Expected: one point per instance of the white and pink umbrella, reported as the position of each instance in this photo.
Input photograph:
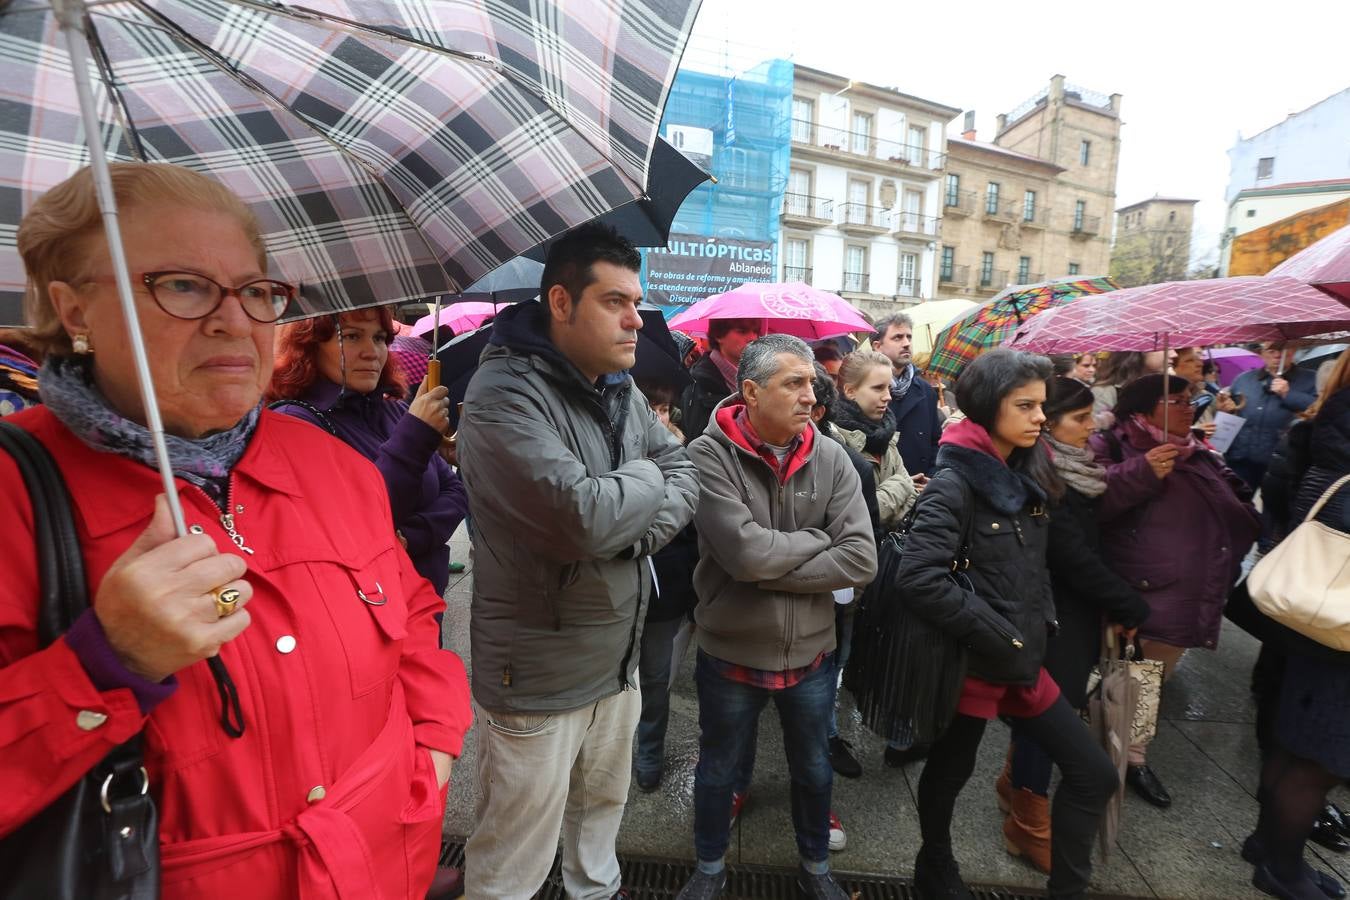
(1325, 265)
(794, 308)
(458, 317)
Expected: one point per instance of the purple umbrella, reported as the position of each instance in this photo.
(1232, 362)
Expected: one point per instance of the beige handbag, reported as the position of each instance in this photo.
(1304, 582)
(1147, 675)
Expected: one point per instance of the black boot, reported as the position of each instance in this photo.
(938, 877)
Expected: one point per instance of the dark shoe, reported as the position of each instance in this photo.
(1147, 785)
(448, 884)
(938, 877)
(1333, 813)
(1326, 834)
(647, 782)
(701, 886)
(842, 759)
(1265, 881)
(897, 758)
(1254, 851)
(819, 887)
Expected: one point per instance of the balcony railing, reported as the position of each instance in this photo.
(856, 282)
(1003, 212)
(863, 216)
(797, 273)
(1087, 226)
(962, 204)
(1030, 277)
(806, 206)
(907, 287)
(993, 279)
(861, 143)
(913, 223)
(957, 275)
(1038, 217)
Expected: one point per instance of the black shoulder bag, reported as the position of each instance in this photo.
(906, 674)
(100, 839)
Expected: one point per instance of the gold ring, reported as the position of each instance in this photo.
(227, 601)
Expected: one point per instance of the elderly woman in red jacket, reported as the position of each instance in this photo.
(326, 775)
(1175, 523)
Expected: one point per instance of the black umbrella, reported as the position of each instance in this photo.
(656, 358)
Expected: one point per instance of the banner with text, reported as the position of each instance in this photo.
(691, 267)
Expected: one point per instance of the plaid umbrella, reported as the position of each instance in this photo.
(392, 149)
(990, 325)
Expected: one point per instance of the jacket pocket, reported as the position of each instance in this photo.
(365, 601)
(185, 728)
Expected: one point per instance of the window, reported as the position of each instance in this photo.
(1029, 206)
(911, 216)
(1172, 216)
(855, 268)
(1169, 242)
(1084, 152)
(803, 116)
(1073, 268)
(862, 133)
(953, 197)
(948, 265)
(908, 285)
(797, 201)
(795, 256)
(1023, 269)
(735, 167)
(1079, 214)
(986, 269)
(1265, 167)
(1251, 214)
(918, 136)
(991, 197)
(857, 210)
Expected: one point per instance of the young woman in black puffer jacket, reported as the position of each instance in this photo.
(992, 472)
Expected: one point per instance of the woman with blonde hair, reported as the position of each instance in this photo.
(863, 422)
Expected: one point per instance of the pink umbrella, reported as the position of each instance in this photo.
(1185, 314)
(459, 317)
(793, 308)
(1326, 265)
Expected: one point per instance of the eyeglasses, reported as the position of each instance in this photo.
(1178, 402)
(187, 295)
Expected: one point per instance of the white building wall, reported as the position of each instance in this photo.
(1313, 145)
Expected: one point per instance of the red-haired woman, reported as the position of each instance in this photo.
(343, 381)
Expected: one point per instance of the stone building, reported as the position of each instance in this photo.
(1032, 205)
(861, 213)
(1153, 241)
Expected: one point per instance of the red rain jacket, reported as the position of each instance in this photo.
(330, 792)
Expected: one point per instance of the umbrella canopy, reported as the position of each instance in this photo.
(459, 317)
(793, 308)
(929, 318)
(392, 149)
(1325, 264)
(994, 322)
(1186, 314)
(1232, 362)
(657, 357)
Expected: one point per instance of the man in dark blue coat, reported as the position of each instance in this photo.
(1268, 399)
(913, 400)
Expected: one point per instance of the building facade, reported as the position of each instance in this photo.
(862, 210)
(1153, 241)
(1254, 209)
(1034, 204)
(1307, 146)
(1262, 249)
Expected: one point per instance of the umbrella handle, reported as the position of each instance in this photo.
(432, 380)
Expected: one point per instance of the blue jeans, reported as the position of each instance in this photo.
(728, 713)
(654, 675)
(843, 636)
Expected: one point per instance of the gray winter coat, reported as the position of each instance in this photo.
(571, 486)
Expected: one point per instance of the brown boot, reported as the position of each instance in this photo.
(1003, 788)
(1026, 832)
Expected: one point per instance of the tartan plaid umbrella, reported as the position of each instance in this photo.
(991, 324)
(392, 149)
(1187, 314)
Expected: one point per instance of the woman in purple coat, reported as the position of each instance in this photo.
(1176, 524)
(343, 382)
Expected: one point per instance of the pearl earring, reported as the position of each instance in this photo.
(80, 344)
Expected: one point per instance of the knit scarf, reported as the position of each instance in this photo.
(727, 368)
(1142, 432)
(877, 435)
(67, 388)
(900, 384)
(1079, 468)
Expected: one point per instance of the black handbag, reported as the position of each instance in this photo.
(100, 839)
(905, 673)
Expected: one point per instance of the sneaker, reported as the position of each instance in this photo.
(838, 839)
(842, 759)
(738, 801)
(898, 758)
(702, 886)
(456, 568)
(819, 887)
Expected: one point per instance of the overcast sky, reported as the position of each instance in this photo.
(1194, 73)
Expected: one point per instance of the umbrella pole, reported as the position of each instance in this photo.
(1167, 382)
(70, 14)
(434, 363)
(1284, 359)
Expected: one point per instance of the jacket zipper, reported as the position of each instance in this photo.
(227, 517)
(788, 618)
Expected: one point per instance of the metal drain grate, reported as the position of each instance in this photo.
(661, 879)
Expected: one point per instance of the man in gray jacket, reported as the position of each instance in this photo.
(573, 484)
(782, 524)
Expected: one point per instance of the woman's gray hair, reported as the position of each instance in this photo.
(759, 359)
